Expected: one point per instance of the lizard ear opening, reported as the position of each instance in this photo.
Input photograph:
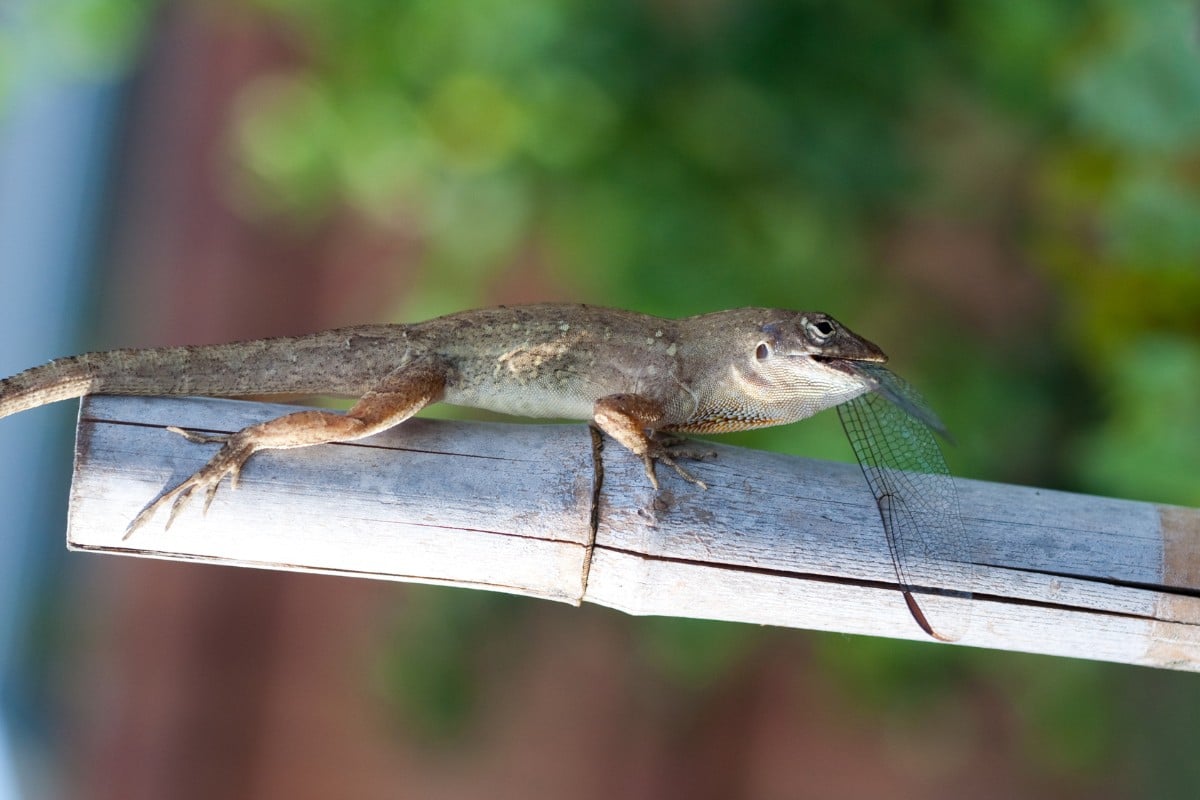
(763, 351)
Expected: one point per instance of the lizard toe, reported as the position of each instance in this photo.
(183, 493)
(648, 463)
(200, 438)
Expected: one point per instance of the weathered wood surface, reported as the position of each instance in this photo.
(776, 539)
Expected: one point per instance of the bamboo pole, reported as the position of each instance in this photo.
(775, 540)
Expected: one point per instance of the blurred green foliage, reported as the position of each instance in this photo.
(1120, 194)
(74, 39)
(657, 156)
(445, 643)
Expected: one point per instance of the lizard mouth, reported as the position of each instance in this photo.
(850, 366)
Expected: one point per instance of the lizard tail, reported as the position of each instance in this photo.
(346, 362)
(155, 370)
(61, 379)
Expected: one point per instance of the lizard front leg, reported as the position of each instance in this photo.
(402, 394)
(627, 418)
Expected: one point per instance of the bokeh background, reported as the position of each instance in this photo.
(1004, 193)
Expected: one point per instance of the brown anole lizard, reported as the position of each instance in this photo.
(637, 377)
(632, 374)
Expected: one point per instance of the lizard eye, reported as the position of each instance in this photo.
(819, 330)
(763, 351)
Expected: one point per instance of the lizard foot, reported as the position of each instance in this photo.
(229, 460)
(666, 449)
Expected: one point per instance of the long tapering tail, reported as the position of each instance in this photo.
(347, 361)
(61, 379)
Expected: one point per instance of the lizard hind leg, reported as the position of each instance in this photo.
(401, 395)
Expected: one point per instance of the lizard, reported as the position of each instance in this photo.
(641, 379)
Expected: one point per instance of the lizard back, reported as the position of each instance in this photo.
(551, 360)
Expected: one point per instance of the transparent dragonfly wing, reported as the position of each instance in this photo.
(892, 432)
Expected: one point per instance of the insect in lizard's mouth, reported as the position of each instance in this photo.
(892, 387)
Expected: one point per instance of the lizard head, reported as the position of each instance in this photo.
(781, 366)
(814, 335)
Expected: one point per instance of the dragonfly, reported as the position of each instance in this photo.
(891, 430)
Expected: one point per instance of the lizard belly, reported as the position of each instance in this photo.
(559, 373)
(525, 401)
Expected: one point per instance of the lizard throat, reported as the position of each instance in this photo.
(724, 423)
